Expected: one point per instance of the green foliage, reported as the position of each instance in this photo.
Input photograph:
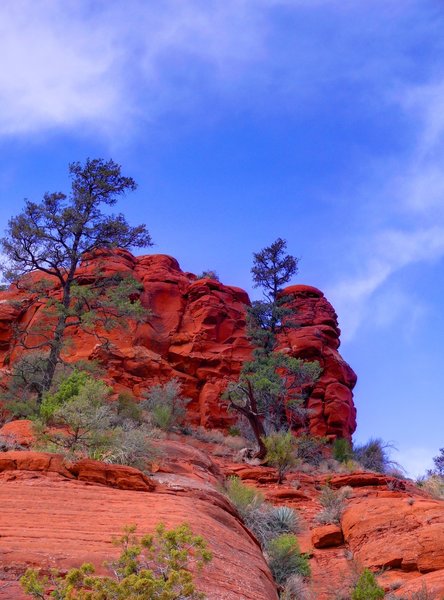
(281, 451)
(244, 498)
(285, 558)
(68, 389)
(367, 587)
(128, 409)
(439, 464)
(156, 566)
(283, 519)
(374, 455)
(166, 405)
(342, 450)
(84, 423)
(52, 237)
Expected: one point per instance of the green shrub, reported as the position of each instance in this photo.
(367, 587)
(342, 450)
(244, 498)
(152, 567)
(128, 409)
(68, 389)
(283, 519)
(285, 559)
(166, 405)
(281, 447)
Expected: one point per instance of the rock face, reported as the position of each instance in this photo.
(195, 332)
(56, 516)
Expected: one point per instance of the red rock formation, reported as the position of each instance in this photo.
(55, 517)
(196, 332)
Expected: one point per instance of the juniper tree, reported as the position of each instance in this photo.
(270, 387)
(52, 237)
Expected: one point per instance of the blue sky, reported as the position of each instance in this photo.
(319, 121)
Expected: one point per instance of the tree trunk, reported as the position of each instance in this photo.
(56, 344)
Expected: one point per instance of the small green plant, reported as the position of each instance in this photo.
(285, 558)
(68, 389)
(283, 519)
(166, 405)
(367, 587)
(281, 449)
(342, 450)
(245, 498)
(156, 566)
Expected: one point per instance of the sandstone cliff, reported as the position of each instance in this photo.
(196, 332)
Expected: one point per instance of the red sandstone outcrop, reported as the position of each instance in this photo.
(59, 516)
(195, 332)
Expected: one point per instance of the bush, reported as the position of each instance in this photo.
(439, 464)
(283, 519)
(281, 447)
(154, 566)
(208, 274)
(68, 389)
(333, 503)
(342, 450)
(432, 485)
(285, 559)
(245, 498)
(374, 456)
(166, 405)
(367, 587)
(128, 409)
(295, 589)
(130, 445)
(310, 449)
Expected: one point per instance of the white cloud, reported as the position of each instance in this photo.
(383, 255)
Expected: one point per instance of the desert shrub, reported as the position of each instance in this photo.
(367, 587)
(374, 455)
(128, 409)
(166, 405)
(438, 461)
(423, 594)
(310, 449)
(284, 519)
(8, 442)
(432, 485)
(281, 447)
(285, 558)
(69, 389)
(208, 274)
(244, 497)
(154, 566)
(129, 445)
(295, 589)
(25, 383)
(82, 425)
(342, 450)
(333, 503)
